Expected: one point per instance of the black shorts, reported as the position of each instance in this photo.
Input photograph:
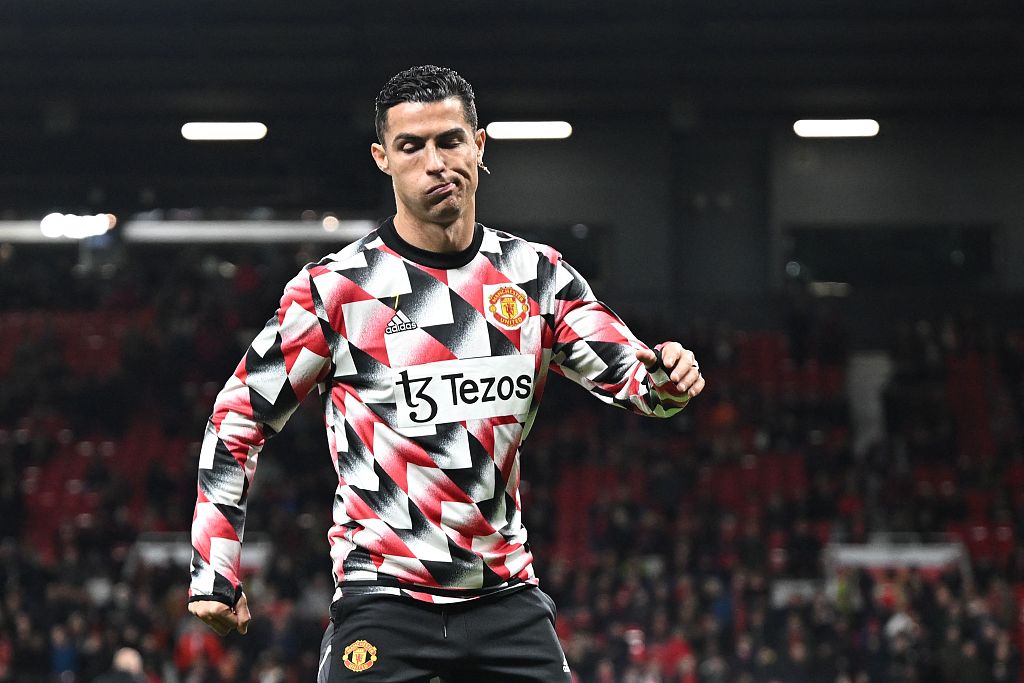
(505, 637)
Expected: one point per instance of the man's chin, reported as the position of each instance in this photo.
(446, 210)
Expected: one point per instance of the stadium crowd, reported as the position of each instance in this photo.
(664, 544)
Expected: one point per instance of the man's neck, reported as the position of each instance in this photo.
(437, 237)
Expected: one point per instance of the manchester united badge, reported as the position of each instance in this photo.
(507, 305)
(359, 656)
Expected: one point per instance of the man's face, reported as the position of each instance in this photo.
(431, 153)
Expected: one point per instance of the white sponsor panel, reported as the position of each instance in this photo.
(459, 390)
(413, 432)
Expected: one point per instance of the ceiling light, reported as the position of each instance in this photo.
(224, 130)
(836, 128)
(529, 130)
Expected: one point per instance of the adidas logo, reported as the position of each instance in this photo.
(400, 323)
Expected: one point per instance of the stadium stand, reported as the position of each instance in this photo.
(664, 544)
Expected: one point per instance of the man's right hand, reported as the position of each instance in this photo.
(221, 618)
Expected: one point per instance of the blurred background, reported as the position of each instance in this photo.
(843, 504)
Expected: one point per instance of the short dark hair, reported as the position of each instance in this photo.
(426, 83)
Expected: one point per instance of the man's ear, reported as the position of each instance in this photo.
(380, 157)
(479, 139)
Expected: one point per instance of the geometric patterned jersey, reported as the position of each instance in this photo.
(430, 369)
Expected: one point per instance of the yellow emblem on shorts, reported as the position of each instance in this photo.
(359, 656)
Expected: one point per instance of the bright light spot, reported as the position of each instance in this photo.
(223, 130)
(76, 227)
(836, 128)
(52, 225)
(793, 269)
(529, 130)
(227, 270)
(330, 223)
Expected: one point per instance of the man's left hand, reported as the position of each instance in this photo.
(682, 368)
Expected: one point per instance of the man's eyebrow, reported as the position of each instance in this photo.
(402, 137)
(461, 132)
(410, 137)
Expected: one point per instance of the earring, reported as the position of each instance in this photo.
(481, 165)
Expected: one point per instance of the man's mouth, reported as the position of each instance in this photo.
(440, 189)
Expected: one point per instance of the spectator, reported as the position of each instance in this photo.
(127, 668)
(73, 590)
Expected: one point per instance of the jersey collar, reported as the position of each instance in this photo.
(431, 259)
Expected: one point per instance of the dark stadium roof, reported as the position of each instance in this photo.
(93, 94)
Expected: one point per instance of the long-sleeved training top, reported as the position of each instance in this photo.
(430, 369)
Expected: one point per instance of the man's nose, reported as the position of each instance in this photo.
(434, 159)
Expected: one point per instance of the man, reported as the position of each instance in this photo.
(430, 341)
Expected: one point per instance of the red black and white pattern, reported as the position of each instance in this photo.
(430, 369)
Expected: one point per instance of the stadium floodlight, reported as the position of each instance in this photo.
(224, 130)
(57, 225)
(529, 130)
(836, 128)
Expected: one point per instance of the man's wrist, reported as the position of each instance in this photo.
(211, 598)
(217, 597)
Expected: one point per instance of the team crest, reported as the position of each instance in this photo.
(359, 656)
(507, 305)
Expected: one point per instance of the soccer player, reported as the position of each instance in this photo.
(429, 341)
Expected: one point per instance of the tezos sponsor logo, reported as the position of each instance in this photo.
(458, 390)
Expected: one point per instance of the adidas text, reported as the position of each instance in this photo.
(400, 327)
(400, 323)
